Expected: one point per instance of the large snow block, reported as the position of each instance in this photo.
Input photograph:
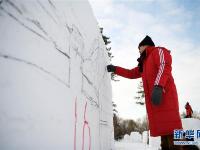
(55, 92)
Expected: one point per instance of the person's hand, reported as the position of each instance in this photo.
(156, 96)
(111, 68)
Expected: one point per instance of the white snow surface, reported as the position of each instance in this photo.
(134, 137)
(133, 146)
(55, 92)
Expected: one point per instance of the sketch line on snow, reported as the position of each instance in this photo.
(37, 24)
(60, 51)
(87, 79)
(45, 10)
(46, 37)
(95, 47)
(103, 122)
(52, 5)
(33, 65)
(77, 38)
(72, 30)
(91, 99)
(21, 23)
(86, 124)
(14, 6)
(54, 9)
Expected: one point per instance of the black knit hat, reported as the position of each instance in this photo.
(146, 41)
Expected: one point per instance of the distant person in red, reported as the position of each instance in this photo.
(189, 110)
(154, 67)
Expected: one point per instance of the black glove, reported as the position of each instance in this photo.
(111, 68)
(156, 96)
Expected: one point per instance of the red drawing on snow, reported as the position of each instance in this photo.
(75, 114)
(84, 126)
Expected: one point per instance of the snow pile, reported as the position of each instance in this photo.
(55, 90)
(154, 141)
(135, 137)
(126, 138)
(131, 146)
(144, 137)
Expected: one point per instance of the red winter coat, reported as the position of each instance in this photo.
(164, 118)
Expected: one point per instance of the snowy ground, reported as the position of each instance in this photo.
(130, 144)
(133, 146)
(133, 142)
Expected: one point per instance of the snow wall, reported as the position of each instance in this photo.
(55, 92)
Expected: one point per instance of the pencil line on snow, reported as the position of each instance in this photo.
(45, 10)
(21, 23)
(33, 65)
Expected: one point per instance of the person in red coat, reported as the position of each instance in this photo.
(154, 67)
(189, 110)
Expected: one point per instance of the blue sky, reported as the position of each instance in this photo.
(174, 24)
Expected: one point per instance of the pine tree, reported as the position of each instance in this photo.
(118, 132)
(140, 94)
(107, 41)
(132, 126)
(114, 108)
(141, 101)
